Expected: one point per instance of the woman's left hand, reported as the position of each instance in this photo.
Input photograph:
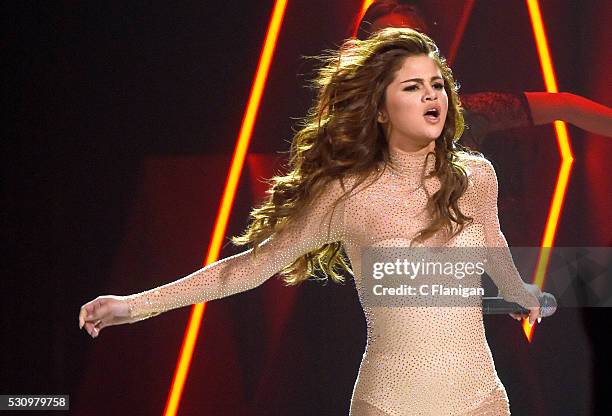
(534, 312)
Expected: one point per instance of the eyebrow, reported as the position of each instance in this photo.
(420, 80)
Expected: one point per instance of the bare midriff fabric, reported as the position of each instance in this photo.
(418, 360)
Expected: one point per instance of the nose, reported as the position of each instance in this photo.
(430, 94)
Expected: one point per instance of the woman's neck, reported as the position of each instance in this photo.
(412, 163)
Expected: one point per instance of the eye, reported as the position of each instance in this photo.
(439, 86)
(411, 88)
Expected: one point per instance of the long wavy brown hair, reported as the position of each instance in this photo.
(340, 136)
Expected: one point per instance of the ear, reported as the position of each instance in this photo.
(382, 116)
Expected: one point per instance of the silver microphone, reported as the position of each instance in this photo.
(497, 305)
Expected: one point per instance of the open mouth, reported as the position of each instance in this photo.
(433, 114)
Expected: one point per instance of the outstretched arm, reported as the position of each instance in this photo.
(581, 112)
(500, 265)
(486, 112)
(319, 223)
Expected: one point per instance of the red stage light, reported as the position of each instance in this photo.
(227, 200)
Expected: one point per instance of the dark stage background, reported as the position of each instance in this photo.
(122, 117)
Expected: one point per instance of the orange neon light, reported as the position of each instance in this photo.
(364, 7)
(463, 21)
(565, 149)
(244, 137)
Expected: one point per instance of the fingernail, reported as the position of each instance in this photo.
(539, 319)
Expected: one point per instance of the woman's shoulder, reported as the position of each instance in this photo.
(476, 164)
(480, 172)
(340, 185)
(332, 189)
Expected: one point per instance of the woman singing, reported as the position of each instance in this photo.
(374, 164)
(490, 111)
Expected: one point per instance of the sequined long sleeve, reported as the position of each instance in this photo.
(320, 223)
(500, 265)
(493, 111)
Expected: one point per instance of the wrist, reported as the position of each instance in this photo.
(139, 307)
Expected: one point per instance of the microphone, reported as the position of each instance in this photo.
(497, 305)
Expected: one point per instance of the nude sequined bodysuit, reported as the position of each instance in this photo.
(418, 360)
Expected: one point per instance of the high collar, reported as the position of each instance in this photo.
(412, 163)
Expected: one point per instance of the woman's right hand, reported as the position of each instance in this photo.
(104, 311)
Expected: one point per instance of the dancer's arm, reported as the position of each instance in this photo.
(500, 265)
(493, 111)
(244, 271)
(318, 224)
(581, 112)
(486, 112)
